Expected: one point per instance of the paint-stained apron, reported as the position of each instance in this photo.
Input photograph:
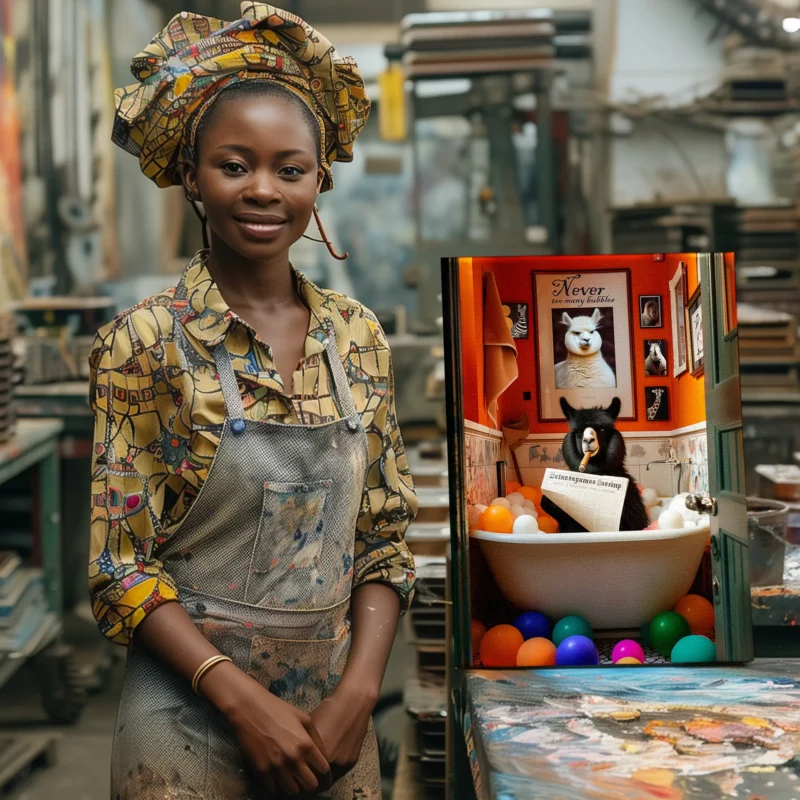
(264, 565)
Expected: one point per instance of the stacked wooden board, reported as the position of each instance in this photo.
(7, 325)
(677, 227)
(768, 349)
(468, 43)
(23, 604)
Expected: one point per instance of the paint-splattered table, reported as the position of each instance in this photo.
(636, 733)
(776, 612)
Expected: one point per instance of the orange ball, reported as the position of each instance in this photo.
(512, 486)
(537, 652)
(496, 519)
(478, 632)
(500, 645)
(547, 524)
(628, 660)
(699, 613)
(531, 493)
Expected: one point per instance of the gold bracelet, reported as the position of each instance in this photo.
(205, 667)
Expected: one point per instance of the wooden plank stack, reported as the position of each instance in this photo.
(468, 43)
(7, 328)
(768, 349)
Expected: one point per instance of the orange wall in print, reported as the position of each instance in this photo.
(515, 284)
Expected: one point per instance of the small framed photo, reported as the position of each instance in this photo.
(650, 311)
(655, 357)
(656, 403)
(694, 325)
(517, 319)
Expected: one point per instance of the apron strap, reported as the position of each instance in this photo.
(233, 399)
(227, 380)
(341, 385)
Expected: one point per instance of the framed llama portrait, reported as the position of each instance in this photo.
(584, 340)
(677, 302)
(694, 322)
(517, 319)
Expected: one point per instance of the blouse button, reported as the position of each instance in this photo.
(352, 425)
(238, 426)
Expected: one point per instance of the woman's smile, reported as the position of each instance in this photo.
(261, 227)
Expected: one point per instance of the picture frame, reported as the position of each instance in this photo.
(677, 300)
(656, 403)
(651, 313)
(600, 302)
(656, 354)
(517, 319)
(694, 327)
(731, 318)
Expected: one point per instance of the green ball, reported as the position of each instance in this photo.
(571, 626)
(644, 635)
(666, 630)
(694, 650)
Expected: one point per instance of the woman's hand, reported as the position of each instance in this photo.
(280, 741)
(342, 721)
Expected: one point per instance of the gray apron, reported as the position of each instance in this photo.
(264, 565)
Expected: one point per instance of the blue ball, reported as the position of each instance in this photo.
(533, 625)
(577, 651)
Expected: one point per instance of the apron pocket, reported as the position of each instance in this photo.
(286, 563)
(300, 672)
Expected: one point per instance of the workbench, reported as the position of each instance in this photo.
(68, 402)
(635, 733)
(34, 450)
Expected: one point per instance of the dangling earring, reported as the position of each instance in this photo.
(324, 240)
(193, 203)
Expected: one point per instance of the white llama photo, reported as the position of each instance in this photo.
(583, 345)
(582, 324)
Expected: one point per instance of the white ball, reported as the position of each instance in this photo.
(679, 501)
(650, 497)
(704, 521)
(656, 512)
(473, 515)
(481, 508)
(689, 523)
(518, 510)
(526, 524)
(515, 498)
(670, 519)
(501, 501)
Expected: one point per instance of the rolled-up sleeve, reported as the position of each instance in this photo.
(126, 581)
(389, 503)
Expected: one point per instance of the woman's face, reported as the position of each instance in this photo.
(256, 175)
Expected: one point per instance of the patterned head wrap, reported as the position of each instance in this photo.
(184, 68)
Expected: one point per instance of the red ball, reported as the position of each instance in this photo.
(500, 645)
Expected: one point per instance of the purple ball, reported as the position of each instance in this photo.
(577, 651)
(533, 625)
(627, 648)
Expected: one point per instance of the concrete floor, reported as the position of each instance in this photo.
(81, 771)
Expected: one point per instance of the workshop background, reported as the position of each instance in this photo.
(579, 126)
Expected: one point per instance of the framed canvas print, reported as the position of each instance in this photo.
(694, 324)
(584, 341)
(539, 534)
(677, 300)
(650, 311)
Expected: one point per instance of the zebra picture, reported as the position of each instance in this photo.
(518, 320)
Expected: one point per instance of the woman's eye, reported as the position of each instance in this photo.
(291, 172)
(233, 168)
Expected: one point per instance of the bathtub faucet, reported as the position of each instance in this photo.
(673, 461)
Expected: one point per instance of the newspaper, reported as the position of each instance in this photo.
(595, 501)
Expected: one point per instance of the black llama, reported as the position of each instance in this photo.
(592, 430)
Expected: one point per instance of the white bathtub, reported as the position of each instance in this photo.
(614, 580)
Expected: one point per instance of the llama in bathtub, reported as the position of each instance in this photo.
(584, 366)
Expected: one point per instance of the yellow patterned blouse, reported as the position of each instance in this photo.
(158, 418)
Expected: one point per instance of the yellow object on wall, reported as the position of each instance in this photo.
(392, 114)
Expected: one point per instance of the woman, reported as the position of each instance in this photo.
(249, 473)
